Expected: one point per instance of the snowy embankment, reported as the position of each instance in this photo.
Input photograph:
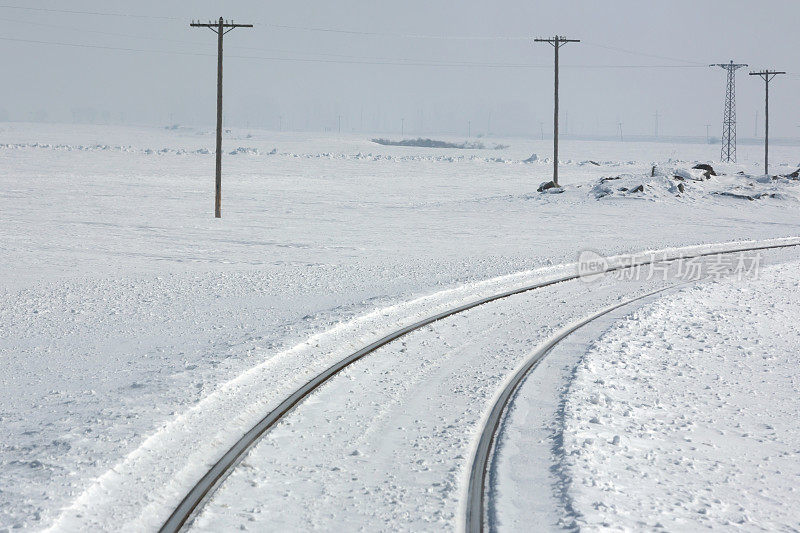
(684, 415)
(680, 184)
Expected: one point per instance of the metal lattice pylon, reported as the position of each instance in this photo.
(729, 119)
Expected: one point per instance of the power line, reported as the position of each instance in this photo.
(97, 13)
(102, 47)
(470, 38)
(644, 54)
(325, 54)
(279, 26)
(98, 32)
(343, 31)
(349, 32)
(150, 38)
(397, 35)
(366, 61)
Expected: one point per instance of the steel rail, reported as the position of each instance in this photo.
(210, 482)
(476, 489)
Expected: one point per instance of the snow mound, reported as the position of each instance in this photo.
(690, 175)
(696, 184)
(245, 151)
(630, 185)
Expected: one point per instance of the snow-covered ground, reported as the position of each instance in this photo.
(125, 304)
(386, 444)
(684, 415)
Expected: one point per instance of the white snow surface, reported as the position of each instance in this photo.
(136, 331)
(683, 417)
(386, 444)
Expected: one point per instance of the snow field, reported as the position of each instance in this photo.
(683, 416)
(123, 304)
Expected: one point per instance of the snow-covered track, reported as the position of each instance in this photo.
(211, 481)
(481, 461)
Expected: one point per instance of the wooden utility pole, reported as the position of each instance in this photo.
(767, 76)
(220, 27)
(556, 42)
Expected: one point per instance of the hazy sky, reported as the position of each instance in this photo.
(402, 59)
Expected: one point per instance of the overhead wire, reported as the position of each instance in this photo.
(398, 35)
(338, 58)
(356, 60)
(77, 12)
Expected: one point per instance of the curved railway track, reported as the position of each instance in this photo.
(210, 482)
(481, 461)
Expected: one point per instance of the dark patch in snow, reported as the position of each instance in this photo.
(709, 170)
(750, 197)
(547, 186)
(431, 143)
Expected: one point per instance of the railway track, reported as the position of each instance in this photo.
(481, 461)
(210, 482)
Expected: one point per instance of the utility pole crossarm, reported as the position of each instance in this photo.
(767, 74)
(216, 25)
(560, 41)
